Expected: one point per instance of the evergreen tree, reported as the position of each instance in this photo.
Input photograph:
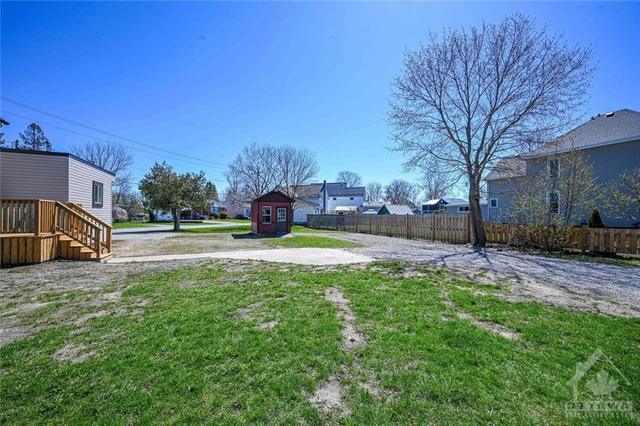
(595, 221)
(34, 138)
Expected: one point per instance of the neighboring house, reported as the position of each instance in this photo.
(395, 209)
(610, 143)
(59, 176)
(235, 207)
(453, 206)
(330, 195)
(302, 208)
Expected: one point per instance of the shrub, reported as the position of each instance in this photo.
(216, 216)
(223, 215)
(595, 221)
(241, 216)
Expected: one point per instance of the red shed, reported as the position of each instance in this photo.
(272, 213)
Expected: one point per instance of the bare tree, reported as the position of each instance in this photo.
(400, 192)
(111, 156)
(350, 178)
(296, 166)
(473, 95)
(373, 191)
(258, 169)
(436, 182)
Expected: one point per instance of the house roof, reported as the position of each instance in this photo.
(398, 209)
(311, 190)
(603, 129)
(301, 204)
(55, 153)
(340, 189)
(274, 196)
(508, 167)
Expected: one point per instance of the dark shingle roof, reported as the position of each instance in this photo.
(617, 126)
(311, 190)
(340, 189)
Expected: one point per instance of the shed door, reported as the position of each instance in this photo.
(281, 219)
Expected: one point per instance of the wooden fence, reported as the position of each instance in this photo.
(456, 229)
(435, 227)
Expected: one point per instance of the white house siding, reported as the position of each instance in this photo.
(34, 176)
(81, 177)
(332, 203)
(300, 214)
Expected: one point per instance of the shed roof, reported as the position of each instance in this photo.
(274, 196)
(399, 209)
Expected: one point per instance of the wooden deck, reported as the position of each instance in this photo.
(34, 231)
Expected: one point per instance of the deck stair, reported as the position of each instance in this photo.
(33, 231)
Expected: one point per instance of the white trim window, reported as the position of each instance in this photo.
(463, 209)
(97, 195)
(493, 203)
(282, 214)
(266, 215)
(553, 202)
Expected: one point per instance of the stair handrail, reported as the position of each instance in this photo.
(107, 228)
(93, 242)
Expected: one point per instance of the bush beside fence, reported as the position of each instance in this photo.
(456, 229)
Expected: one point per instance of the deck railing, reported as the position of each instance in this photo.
(48, 217)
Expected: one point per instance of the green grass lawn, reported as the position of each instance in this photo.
(299, 241)
(199, 353)
(218, 229)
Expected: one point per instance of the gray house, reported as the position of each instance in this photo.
(59, 176)
(609, 142)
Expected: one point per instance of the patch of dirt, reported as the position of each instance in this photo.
(74, 353)
(328, 398)
(268, 325)
(492, 327)
(351, 339)
(246, 313)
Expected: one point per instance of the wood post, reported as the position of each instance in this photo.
(37, 223)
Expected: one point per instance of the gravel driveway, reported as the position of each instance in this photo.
(600, 287)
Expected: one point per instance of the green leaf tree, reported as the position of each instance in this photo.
(33, 138)
(164, 189)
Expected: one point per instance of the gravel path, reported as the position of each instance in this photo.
(609, 288)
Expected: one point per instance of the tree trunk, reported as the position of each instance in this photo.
(475, 215)
(176, 219)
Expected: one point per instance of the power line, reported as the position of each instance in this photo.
(105, 132)
(106, 140)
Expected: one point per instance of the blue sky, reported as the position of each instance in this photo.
(207, 78)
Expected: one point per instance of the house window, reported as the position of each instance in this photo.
(463, 209)
(266, 215)
(282, 214)
(493, 203)
(97, 195)
(351, 198)
(553, 168)
(334, 198)
(553, 201)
